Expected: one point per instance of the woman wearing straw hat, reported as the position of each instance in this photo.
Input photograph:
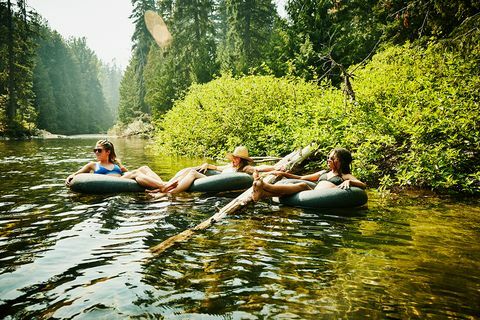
(240, 161)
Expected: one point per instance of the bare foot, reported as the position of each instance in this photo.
(255, 175)
(153, 191)
(156, 194)
(169, 186)
(259, 192)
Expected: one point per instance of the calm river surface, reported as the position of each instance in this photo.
(70, 256)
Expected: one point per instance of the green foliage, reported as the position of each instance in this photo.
(423, 105)
(110, 76)
(414, 19)
(142, 42)
(189, 59)
(68, 94)
(324, 33)
(415, 122)
(269, 115)
(129, 106)
(249, 26)
(17, 49)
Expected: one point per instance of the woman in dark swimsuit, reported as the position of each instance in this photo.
(339, 176)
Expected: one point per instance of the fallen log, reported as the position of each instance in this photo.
(289, 162)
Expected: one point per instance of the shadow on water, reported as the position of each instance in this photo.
(64, 255)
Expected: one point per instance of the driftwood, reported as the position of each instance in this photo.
(265, 159)
(289, 162)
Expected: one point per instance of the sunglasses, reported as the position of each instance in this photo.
(98, 150)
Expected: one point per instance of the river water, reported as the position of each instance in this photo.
(70, 256)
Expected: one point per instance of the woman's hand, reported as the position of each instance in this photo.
(345, 185)
(203, 168)
(69, 180)
(278, 173)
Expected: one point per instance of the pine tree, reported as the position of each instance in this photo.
(191, 56)
(141, 46)
(249, 27)
(16, 93)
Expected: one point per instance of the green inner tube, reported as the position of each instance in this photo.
(325, 198)
(222, 182)
(214, 182)
(102, 183)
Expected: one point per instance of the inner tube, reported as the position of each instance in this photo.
(103, 183)
(222, 182)
(214, 182)
(325, 198)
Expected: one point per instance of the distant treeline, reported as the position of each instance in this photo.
(48, 82)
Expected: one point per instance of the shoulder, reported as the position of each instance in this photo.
(120, 165)
(92, 164)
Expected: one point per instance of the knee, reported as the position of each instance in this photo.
(304, 185)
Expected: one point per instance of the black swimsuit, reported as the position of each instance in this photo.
(336, 180)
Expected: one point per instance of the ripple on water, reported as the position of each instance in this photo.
(65, 255)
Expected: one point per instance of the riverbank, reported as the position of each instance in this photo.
(37, 134)
(43, 134)
(140, 127)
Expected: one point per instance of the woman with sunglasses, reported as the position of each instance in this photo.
(339, 176)
(108, 164)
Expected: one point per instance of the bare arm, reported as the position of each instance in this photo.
(350, 180)
(261, 168)
(309, 177)
(85, 169)
(206, 166)
(313, 176)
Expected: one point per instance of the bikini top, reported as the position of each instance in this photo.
(336, 180)
(99, 169)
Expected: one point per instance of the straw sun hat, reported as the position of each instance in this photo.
(240, 152)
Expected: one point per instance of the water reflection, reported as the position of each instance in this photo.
(65, 255)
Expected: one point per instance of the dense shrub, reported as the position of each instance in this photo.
(419, 117)
(415, 122)
(268, 115)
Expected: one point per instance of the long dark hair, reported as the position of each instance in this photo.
(345, 158)
(107, 145)
(243, 164)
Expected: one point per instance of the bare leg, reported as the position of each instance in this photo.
(146, 178)
(180, 174)
(185, 182)
(259, 191)
(262, 189)
(149, 182)
(149, 172)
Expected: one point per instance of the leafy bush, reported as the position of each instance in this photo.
(421, 106)
(415, 122)
(268, 115)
